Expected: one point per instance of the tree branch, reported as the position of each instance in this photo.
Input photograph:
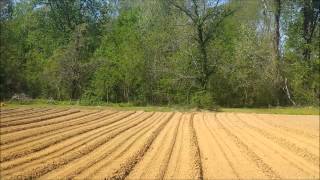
(211, 30)
(188, 13)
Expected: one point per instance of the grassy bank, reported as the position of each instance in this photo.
(277, 110)
(41, 103)
(127, 106)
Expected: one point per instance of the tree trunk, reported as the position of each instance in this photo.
(204, 58)
(288, 92)
(277, 29)
(310, 20)
(108, 95)
(73, 89)
(307, 16)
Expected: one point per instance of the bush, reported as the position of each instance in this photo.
(51, 101)
(21, 99)
(204, 100)
(90, 98)
(139, 103)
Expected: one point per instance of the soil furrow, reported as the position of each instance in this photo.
(292, 130)
(4, 110)
(214, 163)
(22, 113)
(171, 147)
(272, 153)
(299, 140)
(34, 140)
(302, 152)
(46, 123)
(63, 148)
(265, 168)
(39, 135)
(307, 123)
(183, 163)
(128, 164)
(15, 110)
(30, 112)
(33, 134)
(196, 150)
(154, 162)
(106, 153)
(220, 147)
(5, 156)
(40, 118)
(243, 165)
(56, 143)
(41, 169)
(36, 113)
(174, 164)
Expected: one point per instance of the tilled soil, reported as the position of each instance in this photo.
(103, 144)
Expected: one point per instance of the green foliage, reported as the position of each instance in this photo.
(154, 53)
(304, 81)
(90, 98)
(21, 99)
(203, 100)
(119, 74)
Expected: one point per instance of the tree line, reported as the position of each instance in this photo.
(231, 53)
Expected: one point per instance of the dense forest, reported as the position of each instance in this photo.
(231, 53)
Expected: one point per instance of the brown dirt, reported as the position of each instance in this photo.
(95, 144)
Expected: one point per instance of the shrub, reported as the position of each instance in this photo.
(204, 100)
(21, 99)
(90, 98)
(52, 101)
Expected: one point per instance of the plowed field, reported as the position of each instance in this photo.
(105, 144)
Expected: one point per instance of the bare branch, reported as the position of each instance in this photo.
(187, 12)
(196, 8)
(212, 30)
(211, 13)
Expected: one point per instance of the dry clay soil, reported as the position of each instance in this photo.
(48, 143)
